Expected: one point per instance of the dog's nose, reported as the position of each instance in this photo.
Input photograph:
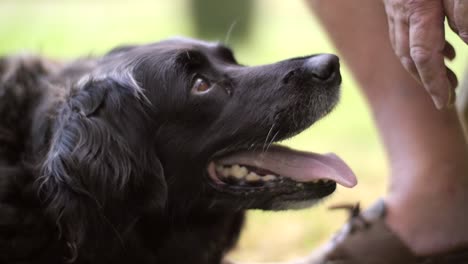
(323, 67)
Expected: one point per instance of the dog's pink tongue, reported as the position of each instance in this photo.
(296, 165)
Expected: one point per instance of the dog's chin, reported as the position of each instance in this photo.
(278, 178)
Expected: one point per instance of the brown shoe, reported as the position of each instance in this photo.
(366, 239)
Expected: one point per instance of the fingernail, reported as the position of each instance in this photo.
(439, 104)
(451, 99)
(444, 100)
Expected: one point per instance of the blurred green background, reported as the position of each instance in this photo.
(263, 32)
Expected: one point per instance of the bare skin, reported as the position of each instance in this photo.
(416, 30)
(428, 154)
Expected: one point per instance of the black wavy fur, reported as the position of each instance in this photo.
(103, 160)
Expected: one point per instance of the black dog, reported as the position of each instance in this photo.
(151, 154)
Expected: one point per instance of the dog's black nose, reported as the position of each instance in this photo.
(323, 67)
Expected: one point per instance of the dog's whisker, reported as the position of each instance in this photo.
(229, 32)
(235, 131)
(251, 146)
(272, 140)
(268, 135)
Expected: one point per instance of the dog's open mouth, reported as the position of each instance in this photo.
(279, 166)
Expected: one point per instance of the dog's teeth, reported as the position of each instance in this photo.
(269, 177)
(299, 185)
(225, 172)
(252, 176)
(238, 172)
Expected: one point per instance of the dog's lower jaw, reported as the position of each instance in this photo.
(293, 205)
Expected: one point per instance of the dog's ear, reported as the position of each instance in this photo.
(95, 166)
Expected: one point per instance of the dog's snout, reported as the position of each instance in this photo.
(323, 67)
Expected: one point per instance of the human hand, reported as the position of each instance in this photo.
(457, 17)
(417, 35)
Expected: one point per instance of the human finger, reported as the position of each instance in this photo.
(427, 42)
(461, 18)
(449, 6)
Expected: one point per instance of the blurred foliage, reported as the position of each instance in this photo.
(230, 19)
(278, 30)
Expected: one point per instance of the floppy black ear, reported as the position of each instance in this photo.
(96, 175)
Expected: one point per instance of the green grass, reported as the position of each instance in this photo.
(281, 29)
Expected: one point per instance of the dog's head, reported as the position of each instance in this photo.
(180, 124)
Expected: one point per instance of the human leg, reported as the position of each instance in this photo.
(428, 192)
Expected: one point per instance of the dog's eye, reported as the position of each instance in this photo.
(200, 85)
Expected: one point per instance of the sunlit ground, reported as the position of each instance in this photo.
(281, 29)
